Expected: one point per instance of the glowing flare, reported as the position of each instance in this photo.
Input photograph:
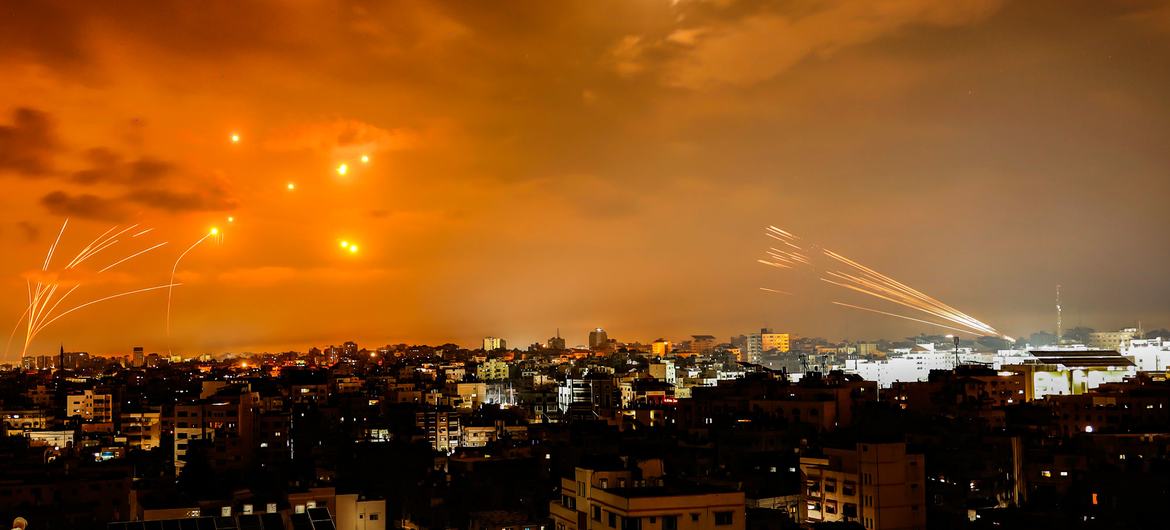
(365, 159)
(344, 244)
(291, 186)
(353, 249)
(235, 138)
(231, 219)
(214, 231)
(342, 169)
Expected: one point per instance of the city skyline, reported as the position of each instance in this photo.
(584, 164)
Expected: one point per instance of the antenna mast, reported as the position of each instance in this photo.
(1059, 324)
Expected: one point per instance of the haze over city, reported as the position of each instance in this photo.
(580, 164)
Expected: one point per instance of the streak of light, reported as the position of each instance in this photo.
(148, 230)
(128, 258)
(905, 317)
(111, 297)
(53, 248)
(774, 264)
(774, 290)
(171, 284)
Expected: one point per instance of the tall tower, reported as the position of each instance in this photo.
(1059, 323)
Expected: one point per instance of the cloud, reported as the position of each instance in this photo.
(107, 167)
(84, 205)
(759, 44)
(342, 137)
(30, 231)
(209, 200)
(27, 146)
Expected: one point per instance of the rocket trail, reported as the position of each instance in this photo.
(905, 317)
(111, 297)
(175, 268)
(862, 279)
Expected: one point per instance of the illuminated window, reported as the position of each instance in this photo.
(1046, 473)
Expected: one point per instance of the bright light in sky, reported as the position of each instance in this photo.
(214, 231)
(365, 159)
(291, 186)
(342, 169)
(235, 138)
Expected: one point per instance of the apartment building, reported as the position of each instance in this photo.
(879, 485)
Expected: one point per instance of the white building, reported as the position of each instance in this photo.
(1150, 355)
(903, 365)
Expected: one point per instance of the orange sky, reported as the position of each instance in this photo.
(541, 164)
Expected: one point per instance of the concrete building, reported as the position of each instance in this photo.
(1150, 355)
(703, 344)
(1111, 340)
(141, 430)
(914, 365)
(879, 485)
(91, 407)
(492, 370)
(227, 417)
(494, 344)
(441, 428)
(661, 347)
(598, 340)
(355, 513)
(614, 498)
(662, 371)
(766, 341)
(1069, 371)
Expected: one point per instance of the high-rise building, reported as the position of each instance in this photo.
(90, 406)
(139, 357)
(661, 347)
(766, 341)
(598, 339)
(494, 343)
(703, 344)
(879, 485)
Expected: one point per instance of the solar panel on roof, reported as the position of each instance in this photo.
(300, 521)
(272, 521)
(319, 514)
(249, 522)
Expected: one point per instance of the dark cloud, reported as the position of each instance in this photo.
(213, 200)
(108, 167)
(30, 231)
(86, 206)
(27, 146)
